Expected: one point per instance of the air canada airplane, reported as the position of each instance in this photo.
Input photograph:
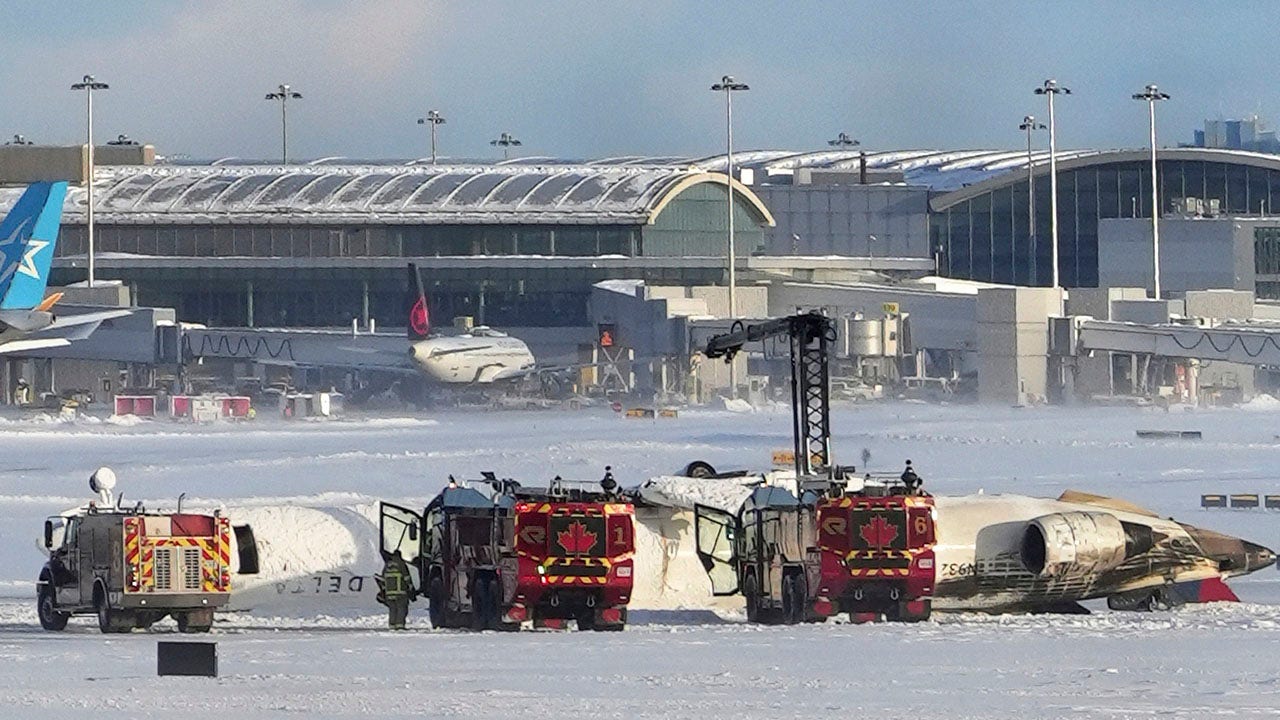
(480, 356)
(28, 235)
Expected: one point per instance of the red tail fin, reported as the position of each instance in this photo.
(419, 319)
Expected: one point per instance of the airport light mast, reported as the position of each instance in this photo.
(729, 86)
(1049, 89)
(284, 94)
(89, 84)
(506, 141)
(1151, 94)
(1030, 125)
(433, 119)
(843, 141)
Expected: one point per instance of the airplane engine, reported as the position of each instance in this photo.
(1074, 543)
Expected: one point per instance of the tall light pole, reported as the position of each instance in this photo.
(89, 84)
(433, 119)
(1151, 94)
(1050, 88)
(1029, 124)
(506, 141)
(284, 94)
(728, 86)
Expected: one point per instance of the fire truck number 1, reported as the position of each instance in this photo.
(619, 536)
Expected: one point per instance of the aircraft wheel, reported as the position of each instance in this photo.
(698, 469)
(50, 618)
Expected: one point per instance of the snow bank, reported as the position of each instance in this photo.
(1262, 403)
(683, 492)
(738, 405)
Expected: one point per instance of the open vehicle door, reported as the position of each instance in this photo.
(399, 529)
(717, 534)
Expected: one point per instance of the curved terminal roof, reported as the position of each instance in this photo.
(616, 190)
(958, 174)
(466, 194)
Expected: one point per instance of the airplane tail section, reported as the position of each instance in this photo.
(419, 319)
(27, 237)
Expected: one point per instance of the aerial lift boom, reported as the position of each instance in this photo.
(811, 335)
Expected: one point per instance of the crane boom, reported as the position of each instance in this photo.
(811, 335)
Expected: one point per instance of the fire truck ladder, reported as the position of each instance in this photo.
(811, 336)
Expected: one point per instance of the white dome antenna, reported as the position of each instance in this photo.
(102, 481)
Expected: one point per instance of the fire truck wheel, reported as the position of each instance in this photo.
(435, 601)
(112, 620)
(752, 595)
(197, 621)
(50, 618)
(909, 611)
(794, 594)
(482, 604)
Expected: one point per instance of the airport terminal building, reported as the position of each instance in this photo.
(519, 243)
(318, 245)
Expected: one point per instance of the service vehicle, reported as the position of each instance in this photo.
(876, 546)
(131, 567)
(496, 555)
(765, 551)
(834, 544)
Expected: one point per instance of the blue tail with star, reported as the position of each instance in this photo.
(28, 235)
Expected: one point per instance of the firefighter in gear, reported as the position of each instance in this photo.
(397, 591)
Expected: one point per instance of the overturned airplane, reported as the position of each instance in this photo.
(1014, 553)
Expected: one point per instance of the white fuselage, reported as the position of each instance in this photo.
(481, 356)
(979, 564)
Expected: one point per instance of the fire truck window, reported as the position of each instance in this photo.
(73, 531)
(248, 549)
(473, 531)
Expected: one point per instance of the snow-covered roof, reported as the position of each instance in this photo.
(472, 193)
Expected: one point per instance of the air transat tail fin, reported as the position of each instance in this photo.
(419, 324)
(27, 238)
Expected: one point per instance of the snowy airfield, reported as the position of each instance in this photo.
(316, 661)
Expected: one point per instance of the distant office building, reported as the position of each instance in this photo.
(1247, 134)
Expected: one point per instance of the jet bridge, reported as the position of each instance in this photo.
(290, 347)
(1255, 344)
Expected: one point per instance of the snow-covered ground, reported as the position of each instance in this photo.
(1195, 662)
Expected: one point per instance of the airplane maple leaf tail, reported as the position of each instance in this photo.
(419, 321)
(28, 235)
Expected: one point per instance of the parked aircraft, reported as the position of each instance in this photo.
(481, 356)
(28, 235)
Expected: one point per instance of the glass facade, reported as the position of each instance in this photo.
(309, 241)
(988, 238)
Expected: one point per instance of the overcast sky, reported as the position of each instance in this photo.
(592, 79)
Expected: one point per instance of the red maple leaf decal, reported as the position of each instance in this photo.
(576, 539)
(418, 319)
(878, 533)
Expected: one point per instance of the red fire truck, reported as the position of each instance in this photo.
(874, 542)
(876, 547)
(495, 555)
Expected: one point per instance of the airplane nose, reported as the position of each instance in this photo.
(1234, 555)
(1258, 557)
